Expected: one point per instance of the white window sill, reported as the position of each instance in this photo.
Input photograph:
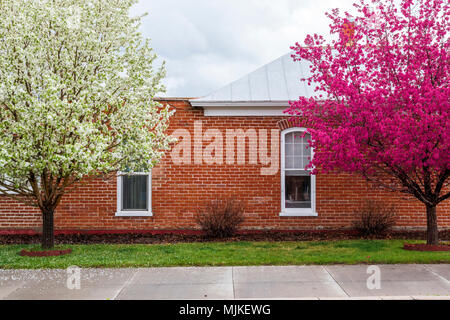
(134, 214)
(298, 214)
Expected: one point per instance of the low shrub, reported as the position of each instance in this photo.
(221, 217)
(374, 217)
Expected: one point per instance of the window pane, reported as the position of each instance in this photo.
(306, 150)
(289, 137)
(298, 164)
(134, 192)
(306, 138)
(298, 137)
(289, 149)
(306, 161)
(298, 191)
(298, 149)
(289, 163)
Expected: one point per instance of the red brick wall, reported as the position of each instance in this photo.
(179, 190)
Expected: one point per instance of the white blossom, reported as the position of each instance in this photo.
(77, 88)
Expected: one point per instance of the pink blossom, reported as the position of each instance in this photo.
(385, 109)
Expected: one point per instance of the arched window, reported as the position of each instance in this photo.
(298, 186)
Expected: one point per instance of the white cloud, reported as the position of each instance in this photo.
(208, 44)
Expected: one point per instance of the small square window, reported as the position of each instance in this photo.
(134, 194)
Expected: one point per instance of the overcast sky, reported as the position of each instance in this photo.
(209, 43)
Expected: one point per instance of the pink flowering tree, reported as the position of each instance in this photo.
(381, 107)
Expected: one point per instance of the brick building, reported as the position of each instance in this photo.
(235, 141)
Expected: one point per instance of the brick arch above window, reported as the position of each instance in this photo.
(293, 122)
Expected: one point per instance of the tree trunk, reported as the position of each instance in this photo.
(432, 226)
(48, 237)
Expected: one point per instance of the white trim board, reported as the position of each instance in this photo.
(238, 104)
(265, 111)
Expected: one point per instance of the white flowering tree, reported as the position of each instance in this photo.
(77, 85)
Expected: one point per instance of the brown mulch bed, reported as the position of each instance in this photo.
(44, 253)
(426, 247)
(136, 238)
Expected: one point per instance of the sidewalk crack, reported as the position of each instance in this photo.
(126, 284)
(339, 285)
(437, 275)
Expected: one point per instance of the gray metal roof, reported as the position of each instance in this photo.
(277, 81)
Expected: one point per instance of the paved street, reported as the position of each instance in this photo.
(266, 282)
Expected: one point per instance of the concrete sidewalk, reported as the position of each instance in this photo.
(266, 282)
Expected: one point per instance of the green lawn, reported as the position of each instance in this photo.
(225, 254)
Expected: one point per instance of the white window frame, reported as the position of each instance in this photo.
(133, 213)
(295, 212)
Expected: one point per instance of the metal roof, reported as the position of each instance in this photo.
(275, 82)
